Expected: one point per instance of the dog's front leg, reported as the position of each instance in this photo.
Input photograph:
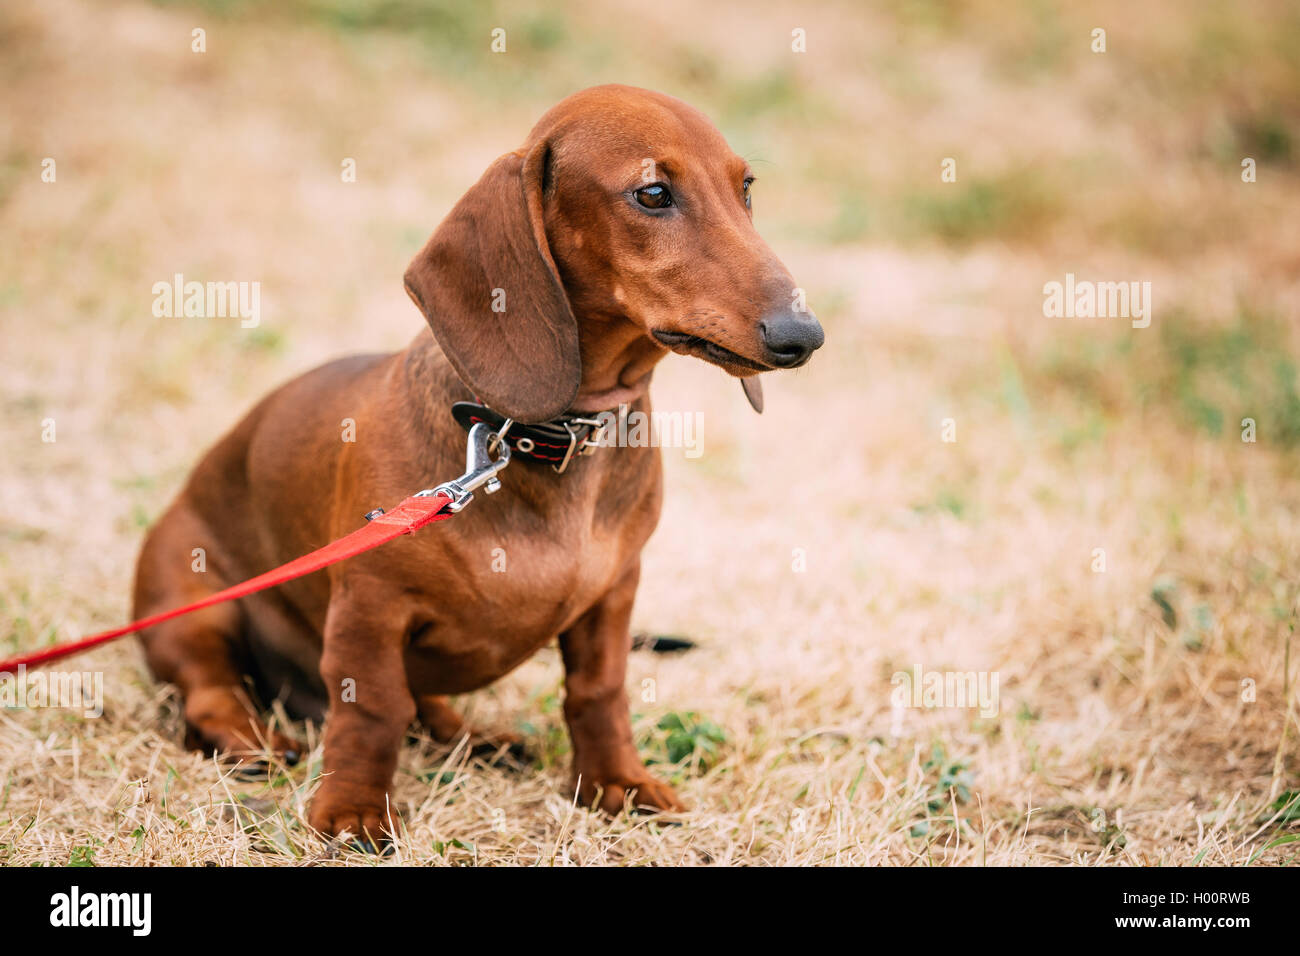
(370, 710)
(606, 766)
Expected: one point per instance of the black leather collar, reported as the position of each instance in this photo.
(556, 442)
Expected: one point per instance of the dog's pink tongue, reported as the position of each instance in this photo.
(754, 392)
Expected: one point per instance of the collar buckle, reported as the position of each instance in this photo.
(587, 446)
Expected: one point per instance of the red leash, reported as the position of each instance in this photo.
(411, 515)
(437, 504)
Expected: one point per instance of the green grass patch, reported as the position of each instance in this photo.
(684, 739)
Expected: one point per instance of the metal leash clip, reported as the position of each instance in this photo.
(480, 469)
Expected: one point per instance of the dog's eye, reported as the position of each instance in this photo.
(654, 197)
(745, 188)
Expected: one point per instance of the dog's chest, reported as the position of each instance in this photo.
(512, 579)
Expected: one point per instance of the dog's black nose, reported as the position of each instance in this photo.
(791, 337)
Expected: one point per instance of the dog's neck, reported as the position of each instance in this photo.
(618, 359)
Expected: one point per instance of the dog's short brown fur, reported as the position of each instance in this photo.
(598, 287)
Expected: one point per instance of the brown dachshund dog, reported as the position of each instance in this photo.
(620, 231)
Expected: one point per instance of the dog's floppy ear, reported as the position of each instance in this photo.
(488, 287)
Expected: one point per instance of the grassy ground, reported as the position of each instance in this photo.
(1147, 712)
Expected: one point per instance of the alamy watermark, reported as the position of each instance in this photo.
(1085, 299)
(208, 300)
(42, 688)
(946, 689)
(133, 911)
(636, 429)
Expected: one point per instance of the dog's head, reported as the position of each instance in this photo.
(627, 208)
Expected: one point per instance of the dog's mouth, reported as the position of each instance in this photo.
(686, 344)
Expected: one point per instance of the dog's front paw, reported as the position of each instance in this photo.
(638, 792)
(368, 824)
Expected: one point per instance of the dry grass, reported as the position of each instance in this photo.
(1122, 737)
